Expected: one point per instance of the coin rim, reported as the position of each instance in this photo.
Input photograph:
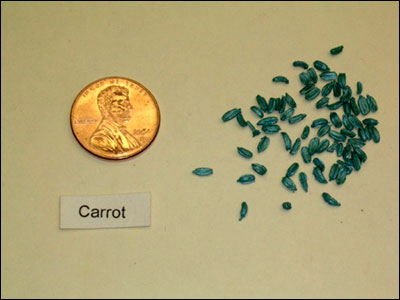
(122, 157)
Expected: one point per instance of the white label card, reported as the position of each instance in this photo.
(106, 211)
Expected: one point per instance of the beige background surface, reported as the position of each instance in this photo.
(199, 60)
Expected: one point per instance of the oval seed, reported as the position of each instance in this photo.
(319, 122)
(336, 50)
(268, 121)
(363, 105)
(333, 172)
(313, 75)
(372, 103)
(292, 169)
(312, 93)
(347, 123)
(332, 147)
(347, 92)
(326, 89)
(348, 133)
(328, 76)
(347, 108)
(287, 114)
(359, 88)
(324, 130)
(323, 146)
(244, 152)
(305, 154)
(305, 133)
(335, 105)
(354, 106)
(283, 107)
(280, 79)
(355, 121)
(271, 105)
(242, 122)
(341, 177)
(246, 179)
(375, 135)
(319, 176)
(303, 181)
(257, 111)
(203, 171)
(289, 184)
(271, 128)
(337, 136)
(279, 104)
(306, 89)
(253, 129)
(313, 145)
(362, 134)
(243, 211)
(230, 114)
(339, 149)
(347, 169)
(361, 154)
(342, 80)
(330, 200)
(319, 163)
(301, 64)
(289, 100)
(297, 118)
(287, 205)
(287, 141)
(259, 169)
(263, 144)
(335, 120)
(321, 66)
(295, 147)
(262, 103)
(356, 161)
(322, 102)
(305, 78)
(370, 122)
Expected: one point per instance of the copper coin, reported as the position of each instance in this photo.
(115, 118)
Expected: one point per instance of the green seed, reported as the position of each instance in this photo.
(321, 66)
(370, 122)
(295, 147)
(375, 135)
(305, 133)
(305, 78)
(283, 107)
(271, 105)
(337, 136)
(356, 161)
(337, 90)
(361, 154)
(362, 134)
(263, 144)
(312, 94)
(230, 114)
(326, 89)
(335, 120)
(287, 205)
(297, 118)
(280, 79)
(341, 177)
(301, 64)
(323, 145)
(242, 122)
(354, 106)
(342, 80)
(319, 163)
(259, 169)
(347, 108)
(246, 179)
(268, 121)
(271, 128)
(372, 103)
(347, 92)
(279, 104)
(202, 171)
(333, 173)
(244, 152)
(335, 105)
(348, 133)
(347, 123)
(319, 122)
(306, 89)
(347, 169)
(363, 105)
(355, 121)
(339, 149)
(313, 145)
(328, 76)
(262, 103)
(336, 50)
(359, 88)
(289, 184)
(287, 141)
(332, 147)
(303, 181)
(319, 176)
(330, 200)
(322, 102)
(324, 130)
(257, 111)
(289, 100)
(253, 129)
(305, 153)
(287, 114)
(313, 75)
(292, 169)
(243, 211)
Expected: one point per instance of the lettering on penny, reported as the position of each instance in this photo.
(86, 121)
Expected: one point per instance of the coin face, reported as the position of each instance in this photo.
(115, 118)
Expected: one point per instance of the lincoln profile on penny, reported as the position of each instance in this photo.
(111, 135)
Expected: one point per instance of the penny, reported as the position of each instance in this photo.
(115, 118)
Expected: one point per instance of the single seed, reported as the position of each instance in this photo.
(263, 144)
(259, 169)
(292, 169)
(322, 102)
(319, 122)
(287, 205)
(347, 108)
(375, 135)
(271, 128)
(313, 75)
(336, 50)
(372, 103)
(347, 123)
(326, 89)
(361, 154)
(330, 200)
(339, 149)
(242, 122)
(333, 172)
(305, 133)
(246, 179)
(297, 118)
(328, 76)
(313, 145)
(347, 92)
(289, 184)
(289, 100)
(280, 79)
(254, 131)
(355, 121)
(287, 141)
(347, 169)
(319, 176)
(341, 177)
(348, 133)
(337, 136)
(306, 89)
(268, 121)
(295, 147)
(321, 66)
(244, 152)
(335, 105)
(283, 107)
(301, 64)
(354, 106)
(332, 147)
(303, 181)
(243, 211)
(342, 80)
(279, 104)
(305, 78)
(319, 163)
(362, 134)
(287, 114)
(363, 105)
(324, 130)
(257, 111)
(337, 90)
(323, 145)
(262, 103)
(370, 122)
(305, 153)
(356, 161)
(312, 94)
(359, 88)
(271, 105)
(203, 171)
(347, 152)
(335, 120)
(230, 114)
